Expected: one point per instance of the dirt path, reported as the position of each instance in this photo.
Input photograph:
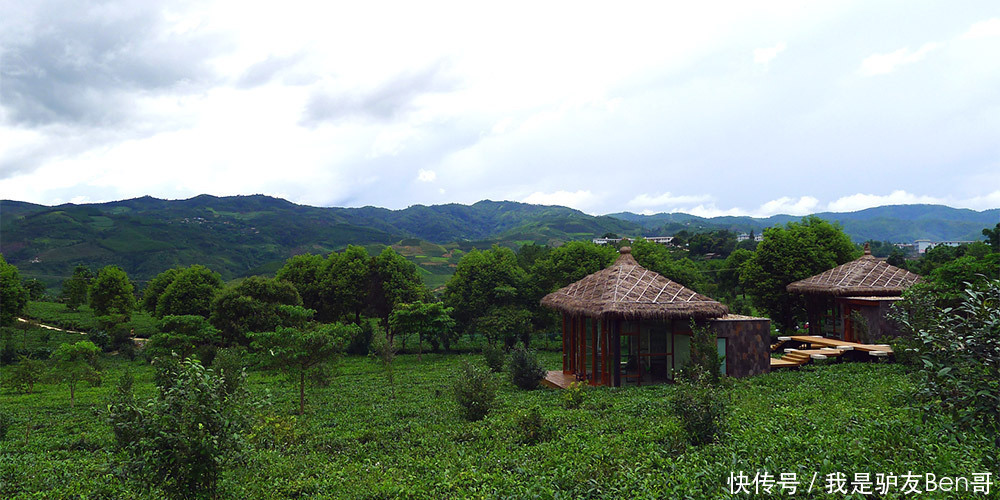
(48, 327)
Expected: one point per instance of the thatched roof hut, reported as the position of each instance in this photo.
(866, 276)
(627, 290)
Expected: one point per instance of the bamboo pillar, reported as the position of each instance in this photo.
(594, 342)
(565, 360)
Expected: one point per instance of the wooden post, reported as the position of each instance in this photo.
(582, 348)
(564, 352)
(616, 360)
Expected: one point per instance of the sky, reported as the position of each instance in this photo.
(709, 108)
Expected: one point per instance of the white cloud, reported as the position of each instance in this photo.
(984, 29)
(882, 64)
(646, 200)
(805, 205)
(767, 54)
(426, 175)
(577, 199)
(861, 201)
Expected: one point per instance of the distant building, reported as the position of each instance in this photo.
(661, 240)
(745, 236)
(925, 245)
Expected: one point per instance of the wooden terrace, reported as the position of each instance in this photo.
(809, 347)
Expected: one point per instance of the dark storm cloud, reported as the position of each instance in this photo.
(80, 62)
(383, 102)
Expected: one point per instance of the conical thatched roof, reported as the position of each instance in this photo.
(628, 290)
(867, 276)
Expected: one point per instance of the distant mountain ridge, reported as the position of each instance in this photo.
(244, 235)
(895, 223)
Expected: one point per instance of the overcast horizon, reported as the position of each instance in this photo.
(710, 109)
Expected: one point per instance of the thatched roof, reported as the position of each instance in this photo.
(626, 289)
(867, 276)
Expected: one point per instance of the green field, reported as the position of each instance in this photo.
(356, 441)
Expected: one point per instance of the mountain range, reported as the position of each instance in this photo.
(245, 235)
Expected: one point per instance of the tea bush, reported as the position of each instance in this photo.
(574, 395)
(533, 426)
(494, 357)
(475, 392)
(701, 412)
(525, 369)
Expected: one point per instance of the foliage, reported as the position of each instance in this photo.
(395, 281)
(305, 273)
(574, 395)
(189, 293)
(185, 435)
(475, 391)
(23, 375)
(494, 357)
(302, 351)
(431, 322)
(701, 411)
(524, 368)
(384, 350)
(706, 364)
(13, 295)
(76, 287)
(73, 363)
(6, 422)
(345, 284)
(230, 365)
(993, 237)
(721, 243)
(487, 294)
(533, 427)
(124, 415)
(155, 288)
(959, 351)
(111, 293)
(257, 304)
(795, 252)
(186, 336)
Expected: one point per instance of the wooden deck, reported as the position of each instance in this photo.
(823, 348)
(834, 343)
(558, 380)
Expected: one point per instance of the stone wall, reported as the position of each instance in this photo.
(748, 344)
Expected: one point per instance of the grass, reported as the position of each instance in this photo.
(356, 441)
(82, 320)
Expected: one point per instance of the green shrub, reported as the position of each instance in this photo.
(123, 413)
(6, 422)
(494, 356)
(574, 395)
(533, 426)
(230, 365)
(475, 391)
(23, 376)
(705, 360)
(186, 435)
(700, 410)
(525, 369)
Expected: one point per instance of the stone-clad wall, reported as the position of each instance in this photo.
(748, 344)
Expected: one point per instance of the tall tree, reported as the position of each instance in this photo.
(191, 292)
(429, 321)
(795, 252)
(298, 351)
(257, 304)
(993, 237)
(13, 295)
(345, 282)
(393, 281)
(185, 336)
(489, 284)
(74, 288)
(151, 294)
(73, 363)
(305, 273)
(112, 294)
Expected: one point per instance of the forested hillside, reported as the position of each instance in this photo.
(246, 235)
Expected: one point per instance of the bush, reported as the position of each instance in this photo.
(101, 339)
(533, 427)
(123, 414)
(475, 392)
(701, 412)
(361, 341)
(6, 422)
(525, 369)
(705, 360)
(494, 356)
(230, 365)
(574, 395)
(186, 434)
(23, 376)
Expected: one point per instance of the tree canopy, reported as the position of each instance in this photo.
(791, 253)
(190, 292)
(257, 304)
(112, 293)
(13, 295)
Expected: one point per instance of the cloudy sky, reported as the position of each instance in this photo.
(704, 107)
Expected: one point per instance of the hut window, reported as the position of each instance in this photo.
(720, 344)
(682, 351)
